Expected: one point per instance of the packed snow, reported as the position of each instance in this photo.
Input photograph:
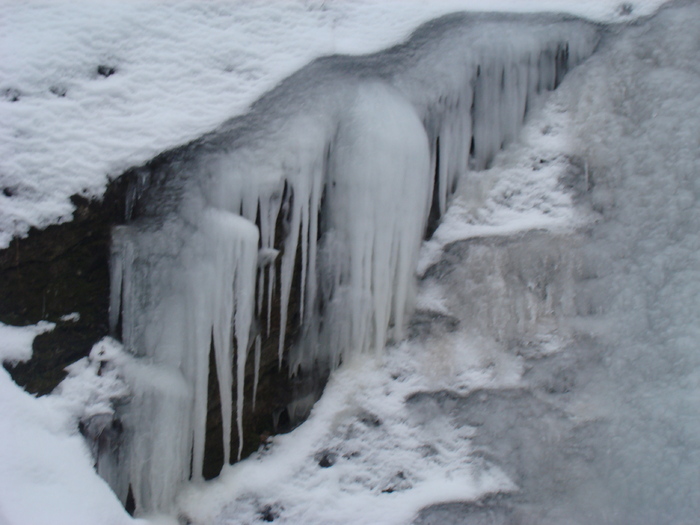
(47, 473)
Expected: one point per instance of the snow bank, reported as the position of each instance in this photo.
(47, 473)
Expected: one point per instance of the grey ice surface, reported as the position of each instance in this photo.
(607, 429)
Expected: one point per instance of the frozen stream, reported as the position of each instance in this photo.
(553, 374)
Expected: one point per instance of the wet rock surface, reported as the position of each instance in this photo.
(56, 272)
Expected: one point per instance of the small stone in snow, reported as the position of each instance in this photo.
(106, 71)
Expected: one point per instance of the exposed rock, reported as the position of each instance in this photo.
(55, 272)
(106, 71)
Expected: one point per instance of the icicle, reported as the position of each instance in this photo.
(376, 196)
(287, 273)
(260, 290)
(269, 211)
(304, 259)
(245, 293)
(256, 376)
(315, 204)
(271, 279)
(172, 320)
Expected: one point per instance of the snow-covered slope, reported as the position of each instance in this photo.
(46, 469)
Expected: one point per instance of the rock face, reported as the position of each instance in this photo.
(54, 273)
(64, 270)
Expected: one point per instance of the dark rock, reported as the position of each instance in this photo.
(106, 71)
(326, 458)
(57, 271)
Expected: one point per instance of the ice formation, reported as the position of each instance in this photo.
(177, 304)
(338, 167)
(556, 337)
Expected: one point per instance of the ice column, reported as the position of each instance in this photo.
(377, 202)
(185, 289)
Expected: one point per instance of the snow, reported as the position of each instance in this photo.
(17, 341)
(71, 318)
(46, 468)
(180, 70)
(362, 457)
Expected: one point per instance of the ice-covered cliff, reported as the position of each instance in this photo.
(338, 168)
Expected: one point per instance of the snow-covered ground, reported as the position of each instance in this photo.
(89, 89)
(46, 468)
(367, 456)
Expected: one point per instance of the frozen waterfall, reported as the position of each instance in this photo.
(328, 181)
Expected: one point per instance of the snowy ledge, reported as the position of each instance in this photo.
(88, 90)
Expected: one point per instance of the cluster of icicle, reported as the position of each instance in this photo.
(339, 167)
